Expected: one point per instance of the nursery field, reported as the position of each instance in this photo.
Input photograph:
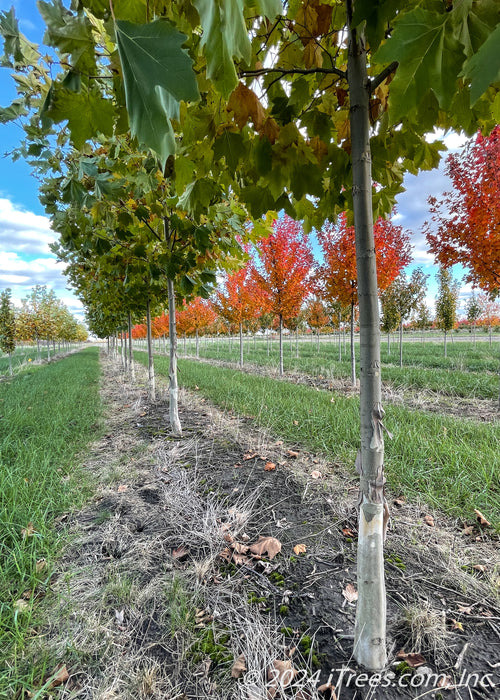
(142, 566)
(469, 369)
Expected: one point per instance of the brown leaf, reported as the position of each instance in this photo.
(399, 502)
(239, 667)
(467, 609)
(269, 467)
(40, 566)
(270, 130)
(292, 454)
(350, 593)
(21, 605)
(468, 530)
(242, 560)
(245, 105)
(445, 682)
(266, 544)
(481, 519)
(316, 474)
(330, 688)
(226, 554)
(58, 676)
(240, 548)
(429, 520)
(249, 455)
(279, 675)
(28, 531)
(295, 422)
(480, 567)
(413, 660)
(348, 532)
(122, 488)
(299, 548)
(180, 553)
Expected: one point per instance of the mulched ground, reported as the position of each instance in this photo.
(176, 516)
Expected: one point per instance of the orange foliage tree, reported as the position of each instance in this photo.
(336, 278)
(468, 217)
(197, 317)
(239, 300)
(316, 316)
(282, 271)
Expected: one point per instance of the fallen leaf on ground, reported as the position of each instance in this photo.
(466, 609)
(468, 530)
(429, 520)
(328, 687)
(292, 454)
(239, 667)
(266, 544)
(350, 593)
(21, 605)
(299, 548)
(122, 488)
(347, 532)
(316, 474)
(249, 455)
(242, 560)
(240, 548)
(295, 422)
(481, 519)
(479, 567)
(445, 682)
(28, 531)
(278, 442)
(119, 616)
(237, 466)
(413, 660)
(456, 625)
(269, 467)
(40, 566)
(180, 553)
(58, 676)
(280, 674)
(399, 502)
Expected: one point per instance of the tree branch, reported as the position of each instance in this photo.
(378, 79)
(293, 71)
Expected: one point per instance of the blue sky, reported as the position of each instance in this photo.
(25, 234)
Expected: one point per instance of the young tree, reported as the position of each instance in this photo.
(282, 271)
(316, 316)
(337, 277)
(400, 299)
(198, 316)
(238, 299)
(446, 302)
(7, 326)
(473, 308)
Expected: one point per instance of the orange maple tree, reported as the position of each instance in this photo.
(336, 278)
(468, 217)
(239, 300)
(282, 271)
(196, 318)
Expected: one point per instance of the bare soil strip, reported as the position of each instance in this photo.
(163, 594)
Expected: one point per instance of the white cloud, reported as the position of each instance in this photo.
(22, 231)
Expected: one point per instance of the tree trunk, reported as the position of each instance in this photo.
(197, 344)
(281, 345)
(241, 344)
(130, 352)
(353, 352)
(340, 344)
(151, 366)
(297, 344)
(401, 343)
(445, 348)
(370, 627)
(48, 350)
(175, 423)
(11, 372)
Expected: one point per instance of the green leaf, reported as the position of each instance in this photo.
(229, 145)
(224, 37)
(268, 8)
(430, 57)
(483, 68)
(16, 109)
(157, 74)
(9, 29)
(70, 33)
(87, 113)
(376, 14)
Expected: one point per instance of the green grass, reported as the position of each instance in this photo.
(468, 370)
(451, 464)
(49, 414)
(23, 356)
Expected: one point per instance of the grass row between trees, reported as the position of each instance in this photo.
(449, 464)
(49, 414)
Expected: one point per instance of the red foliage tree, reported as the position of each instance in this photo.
(336, 278)
(468, 217)
(283, 271)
